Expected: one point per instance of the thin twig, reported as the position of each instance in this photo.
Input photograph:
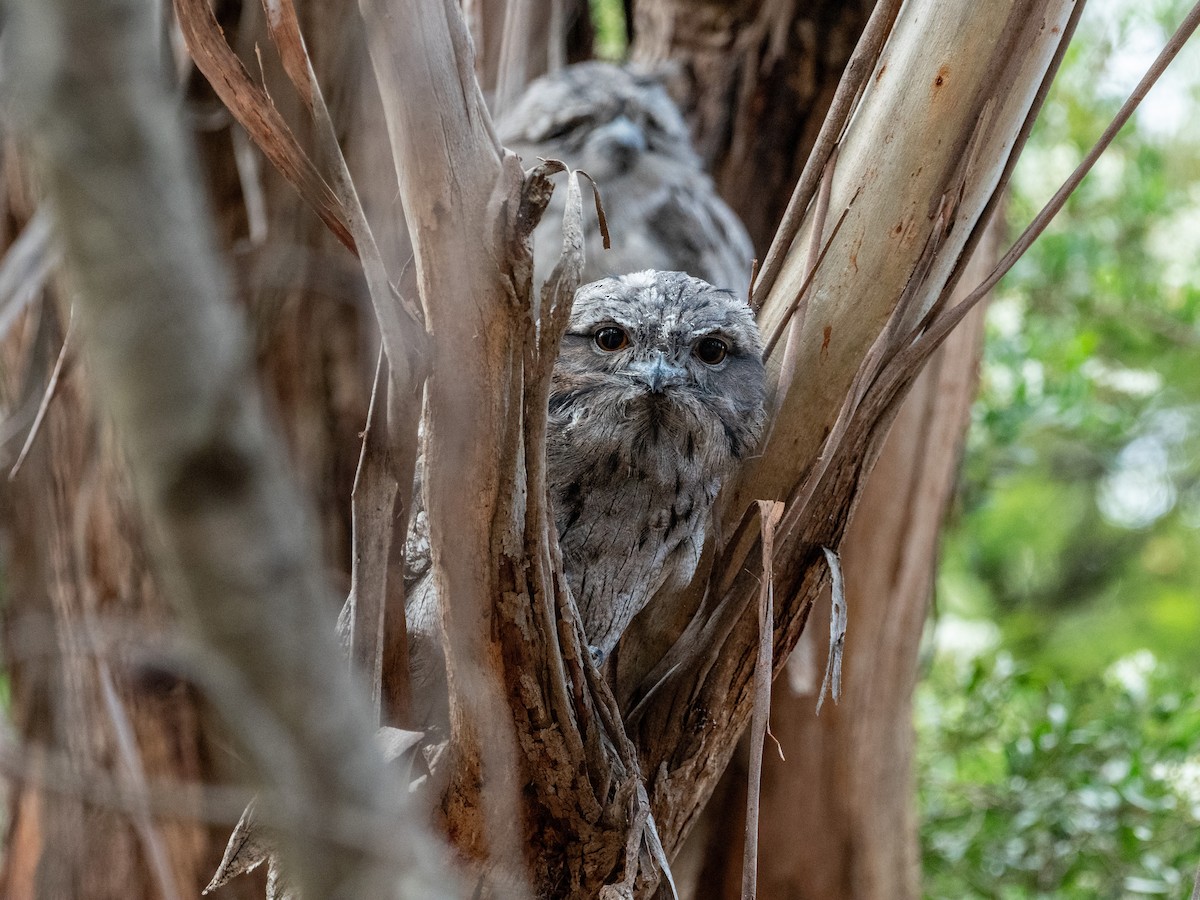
(252, 108)
(372, 501)
(946, 323)
(127, 750)
(770, 512)
(862, 62)
(398, 315)
(47, 396)
(781, 328)
(1006, 175)
(254, 198)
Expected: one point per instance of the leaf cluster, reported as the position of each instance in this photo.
(1035, 789)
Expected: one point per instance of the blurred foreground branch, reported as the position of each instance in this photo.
(171, 362)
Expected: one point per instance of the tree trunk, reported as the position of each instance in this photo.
(857, 755)
(838, 814)
(754, 79)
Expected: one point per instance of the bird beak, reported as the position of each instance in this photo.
(657, 373)
(621, 132)
(620, 142)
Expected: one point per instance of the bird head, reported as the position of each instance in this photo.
(664, 350)
(608, 120)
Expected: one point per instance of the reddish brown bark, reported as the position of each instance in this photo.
(754, 78)
(78, 586)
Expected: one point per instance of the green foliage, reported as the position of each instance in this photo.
(1076, 772)
(1079, 518)
(1031, 789)
(608, 18)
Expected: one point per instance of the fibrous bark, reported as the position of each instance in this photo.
(754, 79)
(308, 309)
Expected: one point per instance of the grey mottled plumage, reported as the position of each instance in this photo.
(622, 128)
(657, 394)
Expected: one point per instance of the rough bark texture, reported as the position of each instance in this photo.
(754, 78)
(535, 737)
(76, 578)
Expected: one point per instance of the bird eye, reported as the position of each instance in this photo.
(610, 339)
(710, 351)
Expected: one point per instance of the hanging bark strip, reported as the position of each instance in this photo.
(536, 737)
(252, 107)
(764, 670)
(389, 455)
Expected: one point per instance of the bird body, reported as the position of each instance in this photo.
(622, 128)
(656, 395)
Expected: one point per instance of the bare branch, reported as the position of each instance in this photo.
(257, 114)
(764, 670)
